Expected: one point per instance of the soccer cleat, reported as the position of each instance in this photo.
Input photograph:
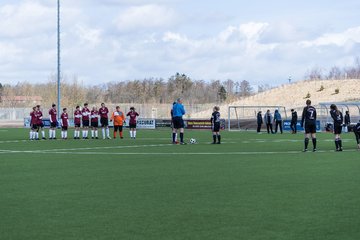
(174, 142)
(213, 143)
(43, 138)
(314, 150)
(219, 143)
(183, 143)
(96, 137)
(108, 137)
(121, 137)
(305, 150)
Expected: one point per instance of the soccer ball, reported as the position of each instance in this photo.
(192, 140)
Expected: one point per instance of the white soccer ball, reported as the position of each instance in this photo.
(192, 140)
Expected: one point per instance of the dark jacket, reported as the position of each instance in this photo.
(294, 117)
(259, 118)
(347, 119)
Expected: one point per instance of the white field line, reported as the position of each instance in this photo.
(171, 153)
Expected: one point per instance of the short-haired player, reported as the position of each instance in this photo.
(64, 123)
(337, 116)
(119, 118)
(104, 121)
(53, 121)
(308, 121)
(77, 122)
(33, 126)
(39, 122)
(94, 123)
(85, 112)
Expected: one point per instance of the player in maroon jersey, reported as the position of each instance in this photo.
(94, 115)
(104, 121)
(132, 122)
(33, 126)
(77, 122)
(53, 122)
(39, 122)
(85, 121)
(64, 123)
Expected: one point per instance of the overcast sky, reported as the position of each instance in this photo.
(263, 42)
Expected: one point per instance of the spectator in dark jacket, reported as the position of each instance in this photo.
(294, 118)
(259, 121)
(347, 121)
(268, 121)
(278, 121)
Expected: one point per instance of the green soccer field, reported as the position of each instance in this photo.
(250, 187)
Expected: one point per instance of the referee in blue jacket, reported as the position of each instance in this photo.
(178, 113)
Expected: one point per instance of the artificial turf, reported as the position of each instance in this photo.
(250, 187)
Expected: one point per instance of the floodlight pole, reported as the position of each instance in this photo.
(58, 60)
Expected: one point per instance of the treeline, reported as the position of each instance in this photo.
(151, 90)
(335, 72)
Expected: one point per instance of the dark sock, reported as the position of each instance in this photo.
(219, 138)
(181, 137)
(336, 144)
(314, 142)
(306, 143)
(214, 138)
(340, 143)
(174, 135)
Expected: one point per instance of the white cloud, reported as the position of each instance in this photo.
(351, 35)
(145, 17)
(25, 18)
(88, 36)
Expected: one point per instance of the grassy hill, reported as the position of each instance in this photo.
(294, 95)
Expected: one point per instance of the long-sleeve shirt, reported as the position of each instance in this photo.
(118, 117)
(178, 110)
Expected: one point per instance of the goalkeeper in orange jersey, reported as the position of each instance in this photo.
(119, 119)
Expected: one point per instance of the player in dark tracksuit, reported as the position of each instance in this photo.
(337, 116)
(308, 121)
(294, 118)
(215, 123)
(357, 133)
(259, 121)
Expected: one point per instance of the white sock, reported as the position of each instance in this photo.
(62, 134)
(175, 136)
(96, 133)
(43, 133)
(65, 134)
(131, 133)
(83, 133)
(103, 133)
(37, 135)
(134, 133)
(92, 133)
(108, 132)
(86, 133)
(31, 135)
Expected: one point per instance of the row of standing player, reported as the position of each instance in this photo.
(84, 118)
(308, 121)
(178, 111)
